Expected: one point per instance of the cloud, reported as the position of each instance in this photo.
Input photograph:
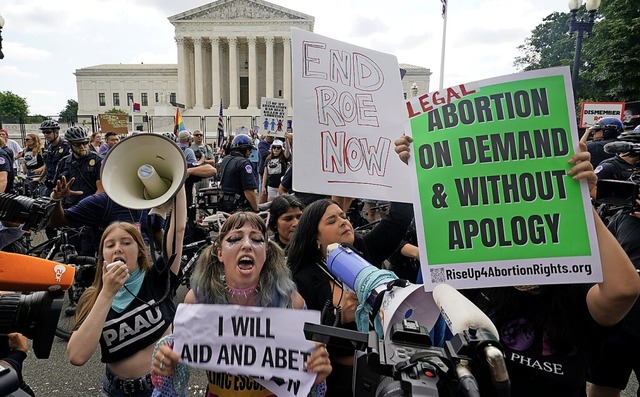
(13, 71)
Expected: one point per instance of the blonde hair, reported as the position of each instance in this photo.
(37, 144)
(89, 297)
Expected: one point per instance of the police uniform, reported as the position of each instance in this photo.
(614, 168)
(86, 170)
(237, 176)
(6, 164)
(52, 156)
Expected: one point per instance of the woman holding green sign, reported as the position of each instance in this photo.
(548, 331)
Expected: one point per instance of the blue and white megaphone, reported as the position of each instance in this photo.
(367, 282)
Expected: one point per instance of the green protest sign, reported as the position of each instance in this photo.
(494, 193)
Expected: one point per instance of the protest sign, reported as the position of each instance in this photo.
(273, 116)
(263, 345)
(593, 111)
(348, 111)
(495, 205)
(118, 123)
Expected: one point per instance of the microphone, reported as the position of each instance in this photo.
(459, 312)
(620, 147)
(463, 316)
(27, 273)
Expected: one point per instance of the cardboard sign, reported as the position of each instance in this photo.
(348, 111)
(118, 123)
(273, 116)
(494, 203)
(593, 111)
(265, 345)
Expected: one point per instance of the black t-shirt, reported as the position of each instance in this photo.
(32, 161)
(626, 229)
(536, 366)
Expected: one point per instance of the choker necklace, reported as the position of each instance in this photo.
(241, 291)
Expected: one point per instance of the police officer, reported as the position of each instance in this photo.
(6, 167)
(238, 183)
(82, 164)
(623, 164)
(605, 131)
(55, 149)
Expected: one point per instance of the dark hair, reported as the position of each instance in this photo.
(109, 134)
(303, 248)
(279, 206)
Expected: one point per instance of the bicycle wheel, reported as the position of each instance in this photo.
(85, 271)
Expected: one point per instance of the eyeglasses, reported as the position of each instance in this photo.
(79, 144)
(47, 132)
(276, 148)
(197, 134)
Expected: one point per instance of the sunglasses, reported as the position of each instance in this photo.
(28, 140)
(79, 144)
(197, 134)
(47, 132)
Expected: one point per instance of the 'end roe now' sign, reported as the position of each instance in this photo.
(496, 204)
(348, 111)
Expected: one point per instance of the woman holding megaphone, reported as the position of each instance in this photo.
(129, 305)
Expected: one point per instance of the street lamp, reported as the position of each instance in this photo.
(1, 26)
(580, 26)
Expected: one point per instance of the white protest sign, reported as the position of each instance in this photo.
(273, 116)
(267, 344)
(348, 109)
(592, 112)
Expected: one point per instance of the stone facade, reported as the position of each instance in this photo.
(234, 51)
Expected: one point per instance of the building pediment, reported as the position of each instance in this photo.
(225, 10)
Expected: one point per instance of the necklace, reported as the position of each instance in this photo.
(241, 291)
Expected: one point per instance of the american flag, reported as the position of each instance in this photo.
(220, 126)
(444, 7)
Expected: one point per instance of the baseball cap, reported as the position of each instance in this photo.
(184, 134)
(276, 142)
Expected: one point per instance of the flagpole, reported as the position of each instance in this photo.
(444, 40)
(132, 125)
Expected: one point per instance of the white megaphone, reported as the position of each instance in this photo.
(143, 171)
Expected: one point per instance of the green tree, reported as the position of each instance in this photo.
(12, 107)
(608, 67)
(116, 111)
(70, 112)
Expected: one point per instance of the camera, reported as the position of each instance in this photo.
(33, 213)
(618, 193)
(409, 365)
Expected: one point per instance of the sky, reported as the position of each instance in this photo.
(46, 41)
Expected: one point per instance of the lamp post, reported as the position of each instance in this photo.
(580, 26)
(1, 26)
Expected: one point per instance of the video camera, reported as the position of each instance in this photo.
(622, 194)
(407, 363)
(33, 213)
(34, 314)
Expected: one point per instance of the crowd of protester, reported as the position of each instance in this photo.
(587, 334)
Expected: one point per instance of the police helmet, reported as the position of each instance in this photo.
(241, 142)
(49, 125)
(76, 134)
(171, 136)
(630, 136)
(611, 127)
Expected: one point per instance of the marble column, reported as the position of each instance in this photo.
(198, 71)
(216, 94)
(253, 73)
(269, 40)
(234, 82)
(182, 72)
(286, 66)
